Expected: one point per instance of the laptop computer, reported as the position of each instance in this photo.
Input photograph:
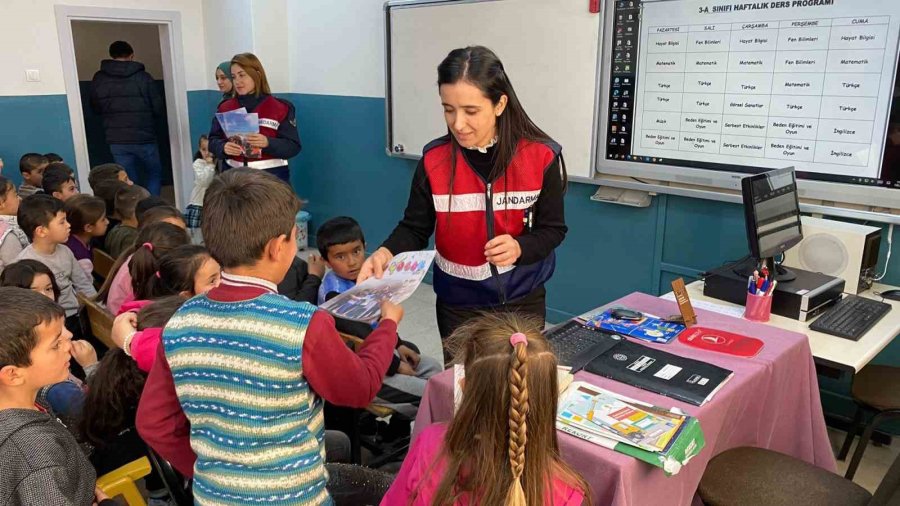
(576, 345)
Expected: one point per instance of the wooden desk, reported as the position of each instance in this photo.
(832, 351)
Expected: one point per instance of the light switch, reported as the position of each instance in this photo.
(33, 75)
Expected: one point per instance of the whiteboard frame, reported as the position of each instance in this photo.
(388, 103)
(714, 180)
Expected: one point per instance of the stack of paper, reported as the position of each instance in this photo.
(664, 438)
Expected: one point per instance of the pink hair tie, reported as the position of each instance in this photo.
(517, 338)
(157, 275)
(147, 245)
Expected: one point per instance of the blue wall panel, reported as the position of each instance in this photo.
(38, 123)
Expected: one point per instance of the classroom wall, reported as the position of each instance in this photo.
(35, 114)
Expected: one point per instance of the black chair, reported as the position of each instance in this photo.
(756, 477)
(177, 486)
(876, 389)
(351, 485)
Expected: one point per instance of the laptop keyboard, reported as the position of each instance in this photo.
(571, 339)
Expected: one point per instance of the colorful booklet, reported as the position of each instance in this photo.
(401, 277)
(663, 438)
(649, 328)
(238, 125)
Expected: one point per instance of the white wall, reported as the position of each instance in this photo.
(29, 40)
(332, 47)
(229, 31)
(271, 41)
(92, 40)
(337, 47)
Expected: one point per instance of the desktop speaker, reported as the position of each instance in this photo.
(844, 250)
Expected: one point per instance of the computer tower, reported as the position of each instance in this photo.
(845, 250)
(803, 298)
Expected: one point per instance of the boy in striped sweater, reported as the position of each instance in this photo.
(242, 372)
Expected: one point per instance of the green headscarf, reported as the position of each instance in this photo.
(225, 67)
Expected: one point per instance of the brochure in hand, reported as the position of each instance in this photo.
(663, 438)
(238, 125)
(647, 328)
(401, 277)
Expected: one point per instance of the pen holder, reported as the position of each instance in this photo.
(758, 308)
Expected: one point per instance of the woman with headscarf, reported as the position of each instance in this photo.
(277, 140)
(223, 79)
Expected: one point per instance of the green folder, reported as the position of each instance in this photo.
(687, 441)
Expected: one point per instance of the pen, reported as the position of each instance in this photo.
(772, 287)
(750, 284)
(765, 285)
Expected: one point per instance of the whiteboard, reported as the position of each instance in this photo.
(549, 49)
(729, 88)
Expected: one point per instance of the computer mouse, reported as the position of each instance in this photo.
(891, 294)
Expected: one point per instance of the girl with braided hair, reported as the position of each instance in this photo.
(500, 448)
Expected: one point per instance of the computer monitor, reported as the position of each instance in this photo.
(772, 215)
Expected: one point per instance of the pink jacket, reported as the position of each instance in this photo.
(120, 290)
(144, 342)
(417, 476)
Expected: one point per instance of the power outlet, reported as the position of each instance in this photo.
(33, 76)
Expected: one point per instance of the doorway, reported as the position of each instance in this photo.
(84, 36)
(91, 40)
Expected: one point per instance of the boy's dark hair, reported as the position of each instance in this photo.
(104, 172)
(83, 210)
(127, 200)
(156, 214)
(243, 210)
(120, 49)
(335, 231)
(53, 157)
(107, 189)
(31, 161)
(147, 204)
(37, 211)
(56, 175)
(23, 272)
(21, 311)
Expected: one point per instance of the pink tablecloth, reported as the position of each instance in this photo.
(771, 402)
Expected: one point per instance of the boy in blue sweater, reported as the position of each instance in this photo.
(342, 244)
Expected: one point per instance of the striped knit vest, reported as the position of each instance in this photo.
(256, 426)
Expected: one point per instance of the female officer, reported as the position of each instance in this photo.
(491, 191)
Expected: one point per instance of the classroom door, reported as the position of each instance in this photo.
(91, 40)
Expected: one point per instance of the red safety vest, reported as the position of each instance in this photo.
(271, 113)
(474, 212)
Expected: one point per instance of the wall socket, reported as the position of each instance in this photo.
(33, 76)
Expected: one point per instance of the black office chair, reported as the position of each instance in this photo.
(875, 389)
(351, 485)
(755, 476)
(177, 486)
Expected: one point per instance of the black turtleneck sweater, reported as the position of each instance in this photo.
(548, 231)
(285, 146)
